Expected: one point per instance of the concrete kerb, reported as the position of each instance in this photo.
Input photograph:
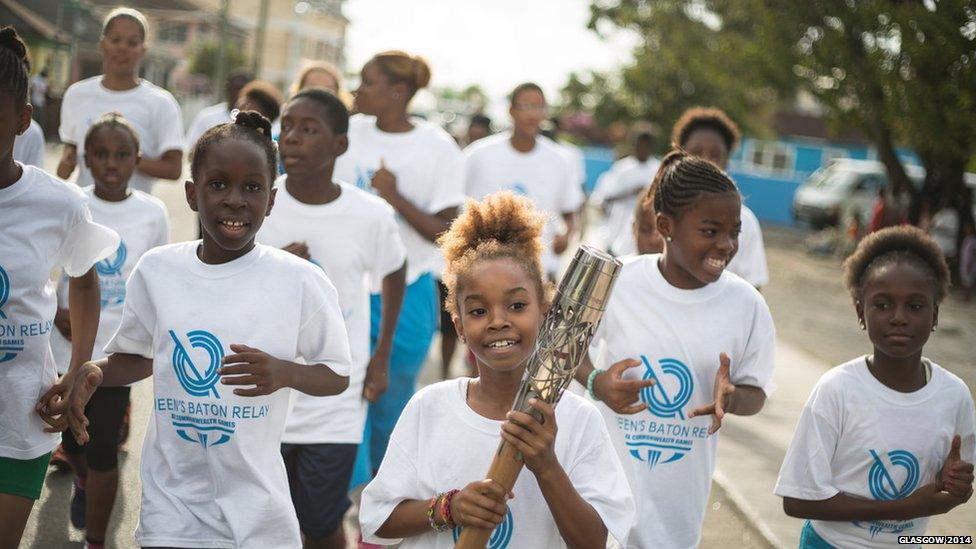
(746, 511)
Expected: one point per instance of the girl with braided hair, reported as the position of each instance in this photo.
(431, 482)
(688, 343)
(46, 225)
(222, 362)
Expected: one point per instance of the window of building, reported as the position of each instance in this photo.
(772, 156)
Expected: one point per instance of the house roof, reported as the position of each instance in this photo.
(794, 123)
(35, 22)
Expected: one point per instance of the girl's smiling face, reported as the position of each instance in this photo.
(112, 158)
(704, 239)
(123, 46)
(232, 193)
(500, 313)
(898, 308)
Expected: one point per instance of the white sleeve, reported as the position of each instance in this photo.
(750, 261)
(196, 130)
(29, 147)
(389, 253)
(169, 127)
(135, 333)
(322, 336)
(448, 184)
(755, 366)
(396, 480)
(606, 184)
(85, 243)
(599, 478)
(806, 473)
(966, 427)
(69, 128)
(162, 230)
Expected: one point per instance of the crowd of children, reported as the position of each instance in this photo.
(285, 343)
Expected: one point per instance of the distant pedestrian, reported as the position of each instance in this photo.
(39, 89)
(885, 440)
(219, 113)
(324, 75)
(617, 189)
(478, 128)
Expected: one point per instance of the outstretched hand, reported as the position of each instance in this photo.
(956, 474)
(621, 395)
(724, 388)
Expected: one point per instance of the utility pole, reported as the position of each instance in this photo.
(221, 73)
(259, 38)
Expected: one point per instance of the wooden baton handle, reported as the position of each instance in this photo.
(504, 470)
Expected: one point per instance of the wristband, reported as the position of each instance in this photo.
(431, 514)
(446, 509)
(589, 383)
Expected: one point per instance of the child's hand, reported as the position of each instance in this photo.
(622, 396)
(377, 377)
(560, 242)
(62, 321)
(298, 248)
(480, 504)
(723, 392)
(533, 439)
(63, 405)
(957, 475)
(384, 182)
(931, 500)
(252, 366)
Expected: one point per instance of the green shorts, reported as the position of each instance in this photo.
(23, 477)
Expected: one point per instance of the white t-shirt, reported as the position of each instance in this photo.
(211, 470)
(45, 225)
(543, 174)
(354, 239)
(750, 261)
(29, 147)
(427, 164)
(38, 86)
(151, 110)
(945, 227)
(142, 223)
(678, 335)
(625, 178)
(574, 155)
(859, 437)
(440, 444)
(207, 118)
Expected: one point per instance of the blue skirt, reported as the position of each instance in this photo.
(810, 539)
(415, 330)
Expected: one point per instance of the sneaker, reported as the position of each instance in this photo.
(59, 459)
(78, 503)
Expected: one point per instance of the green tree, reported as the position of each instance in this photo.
(204, 59)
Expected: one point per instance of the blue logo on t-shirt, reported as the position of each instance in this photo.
(11, 343)
(658, 440)
(112, 265)
(883, 487)
(519, 189)
(364, 178)
(197, 381)
(500, 536)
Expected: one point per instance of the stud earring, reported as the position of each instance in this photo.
(934, 327)
(667, 238)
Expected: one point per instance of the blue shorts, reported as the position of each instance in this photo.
(810, 539)
(415, 330)
(318, 478)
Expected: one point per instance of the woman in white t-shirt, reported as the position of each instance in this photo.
(416, 167)
(886, 440)
(686, 339)
(46, 225)
(226, 327)
(431, 483)
(151, 110)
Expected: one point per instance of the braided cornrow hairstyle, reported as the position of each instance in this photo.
(14, 66)
(683, 178)
(502, 225)
(247, 126)
(113, 120)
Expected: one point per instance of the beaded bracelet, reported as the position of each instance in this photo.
(589, 383)
(434, 504)
(446, 508)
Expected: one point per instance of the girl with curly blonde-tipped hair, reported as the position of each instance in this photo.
(431, 483)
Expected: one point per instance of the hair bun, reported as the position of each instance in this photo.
(253, 120)
(10, 40)
(503, 219)
(421, 72)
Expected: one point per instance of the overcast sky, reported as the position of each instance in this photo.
(494, 43)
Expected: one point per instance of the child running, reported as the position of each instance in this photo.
(221, 324)
(111, 154)
(686, 339)
(431, 481)
(151, 110)
(46, 225)
(353, 236)
(886, 440)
